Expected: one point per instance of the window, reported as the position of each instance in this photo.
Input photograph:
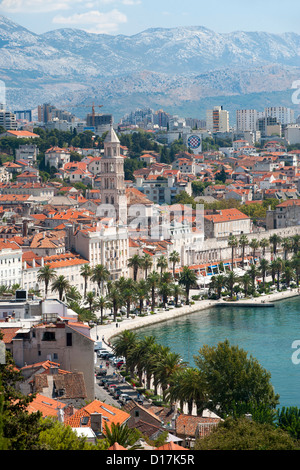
(69, 339)
(48, 336)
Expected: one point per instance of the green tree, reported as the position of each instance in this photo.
(264, 267)
(162, 263)
(86, 273)
(254, 244)
(59, 437)
(135, 262)
(100, 274)
(124, 343)
(46, 274)
(275, 240)
(232, 378)
(123, 435)
(153, 281)
(61, 285)
(186, 386)
(243, 242)
(174, 258)
(264, 243)
(230, 281)
(187, 279)
(242, 434)
(146, 263)
(233, 243)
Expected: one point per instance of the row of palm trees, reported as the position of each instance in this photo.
(274, 242)
(125, 292)
(161, 368)
(281, 270)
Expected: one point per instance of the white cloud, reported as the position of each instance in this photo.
(35, 6)
(94, 21)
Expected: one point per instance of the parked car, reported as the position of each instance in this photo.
(124, 398)
(101, 373)
(103, 381)
(112, 387)
(107, 355)
(117, 392)
(101, 351)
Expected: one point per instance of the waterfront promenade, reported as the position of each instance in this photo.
(108, 331)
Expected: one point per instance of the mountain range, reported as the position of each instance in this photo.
(182, 70)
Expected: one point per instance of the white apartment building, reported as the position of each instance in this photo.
(8, 120)
(10, 263)
(57, 157)
(246, 119)
(292, 134)
(281, 113)
(66, 264)
(104, 244)
(217, 119)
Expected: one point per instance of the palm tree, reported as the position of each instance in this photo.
(264, 243)
(129, 295)
(142, 293)
(273, 270)
(286, 244)
(230, 281)
(146, 263)
(86, 273)
(147, 346)
(90, 300)
(122, 434)
(115, 299)
(165, 291)
(174, 258)
(253, 272)
(153, 281)
(263, 267)
(177, 292)
(246, 281)
(60, 285)
(46, 274)
(288, 273)
(135, 262)
(166, 366)
(187, 279)
(101, 304)
(186, 386)
(217, 283)
(162, 263)
(279, 266)
(233, 243)
(296, 266)
(275, 240)
(254, 244)
(123, 344)
(73, 295)
(296, 243)
(100, 274)
(243, 242)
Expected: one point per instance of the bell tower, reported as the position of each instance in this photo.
(113, 196)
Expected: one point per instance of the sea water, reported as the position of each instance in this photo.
(270, 335)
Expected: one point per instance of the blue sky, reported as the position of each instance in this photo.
(133, 16)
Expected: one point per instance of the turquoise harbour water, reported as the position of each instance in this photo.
(265, 333)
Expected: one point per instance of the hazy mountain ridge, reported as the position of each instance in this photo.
(165, 65)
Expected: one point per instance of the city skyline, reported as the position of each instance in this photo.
(129, 17)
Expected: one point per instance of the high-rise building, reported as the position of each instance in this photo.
(246, 119)
(8, 120)
(217, 119)
(281, 113)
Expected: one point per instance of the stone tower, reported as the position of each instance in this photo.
(113, 196)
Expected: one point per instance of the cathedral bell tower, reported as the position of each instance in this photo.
(113, 196)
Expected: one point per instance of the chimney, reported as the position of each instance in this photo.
(96, 422)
